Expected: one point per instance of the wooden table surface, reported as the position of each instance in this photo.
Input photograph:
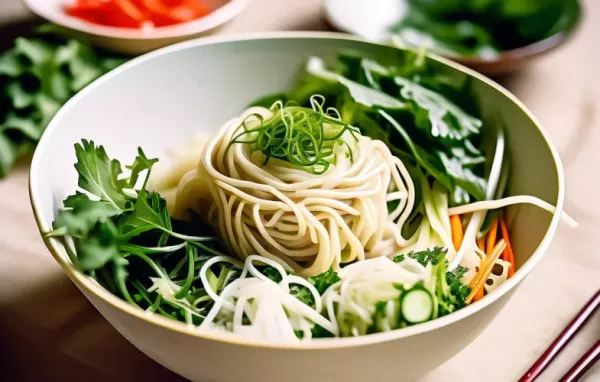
(48, 330)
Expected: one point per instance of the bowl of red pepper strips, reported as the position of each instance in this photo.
(136, 26)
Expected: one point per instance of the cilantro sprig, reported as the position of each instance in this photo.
(450, 291)
(125, 238)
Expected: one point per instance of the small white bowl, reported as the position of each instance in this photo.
(136, 41)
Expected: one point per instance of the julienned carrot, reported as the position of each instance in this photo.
(485, 270)
(508, 252)
(492, 237)
(491, 243)
(479, 295)
(457, 231)
(481, 244)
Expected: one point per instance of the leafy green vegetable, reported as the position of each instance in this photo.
(124, 237)
(149, 213)
(37, 76)
(271, 273)
(426, 117)
(483, 28)
(451, 292)
(460, 290)
(324, 280)
(82, 214)
(100, 247)
(433, 256)
(100, 176)
(113, 227)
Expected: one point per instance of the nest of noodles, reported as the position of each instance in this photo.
(311, 217)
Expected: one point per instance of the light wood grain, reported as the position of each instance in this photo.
(48, 328)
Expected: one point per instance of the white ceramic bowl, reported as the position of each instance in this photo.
(157, 100)
(136, 41)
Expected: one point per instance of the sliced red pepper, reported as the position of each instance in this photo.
(135, 13)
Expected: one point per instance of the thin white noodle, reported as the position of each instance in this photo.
(510, 200)
(311, 222)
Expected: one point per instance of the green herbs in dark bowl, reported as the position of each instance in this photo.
(483, 29)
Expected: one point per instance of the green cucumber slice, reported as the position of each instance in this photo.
(417, 305)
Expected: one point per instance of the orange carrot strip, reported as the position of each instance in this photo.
(491, 243)
(479, 294)
(481, 244)
(508, 252)
(485, 270)
(491, 237)
(457, 231)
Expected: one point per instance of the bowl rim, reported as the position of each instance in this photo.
(89, 285)
(217, 17)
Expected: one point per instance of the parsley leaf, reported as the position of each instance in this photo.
(456, 286)
(140, 164)
(303, 294)
(451, 292)
(100, 176)
(271, 273)
(324, 280)
(100, 247)
(149, 213)
(81, 215)
(433, 256)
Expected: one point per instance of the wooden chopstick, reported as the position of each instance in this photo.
(563, 339)
(584, 364)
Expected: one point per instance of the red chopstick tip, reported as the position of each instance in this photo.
(584, 364)
(562, 340)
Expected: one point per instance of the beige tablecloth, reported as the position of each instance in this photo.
(48, 331)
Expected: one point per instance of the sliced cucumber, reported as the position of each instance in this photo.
(417, 305)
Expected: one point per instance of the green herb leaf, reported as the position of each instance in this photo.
(460, 290)
(100, 176)
(324, 280)
(99, 248)
(19, 96)
(303, 294)
(271, 273)
(442, 119)
(482, 28)
(10, 64)
(429, 256)
(81, 215)
(416, 117)
(359, 93)
(24, 126)
(37, 76)
(141, 163)
(149, 213)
